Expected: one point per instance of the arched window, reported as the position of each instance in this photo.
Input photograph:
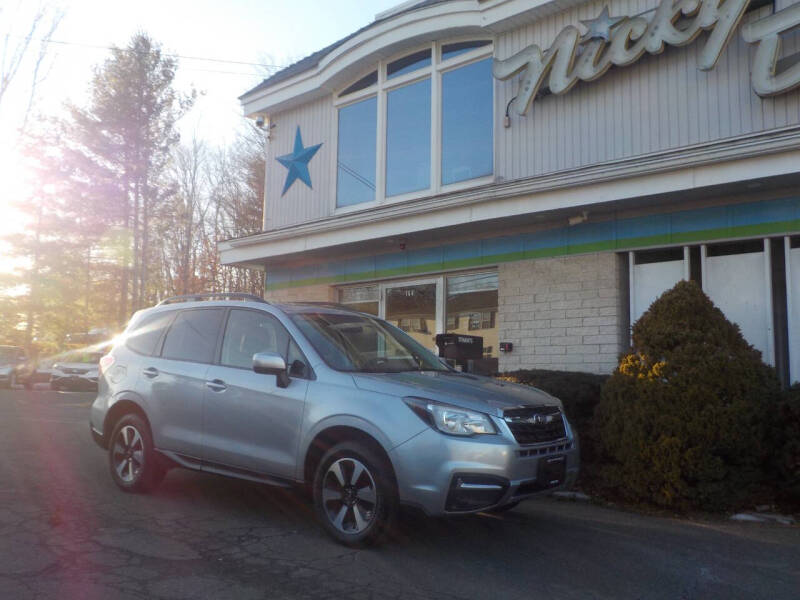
(418, 124)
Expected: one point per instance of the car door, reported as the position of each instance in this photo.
(249, 421)
(173, 381)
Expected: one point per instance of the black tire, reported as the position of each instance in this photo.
(369, 502)
(132, 461)
(504, 508)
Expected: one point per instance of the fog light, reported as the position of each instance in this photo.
(474, 492)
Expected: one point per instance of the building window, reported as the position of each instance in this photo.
(746, 280)
(416, 124)
(355, 174)
(408, 138)
(471, 308)
(361, 84)
(467, 122)
(458, 48)
(409, 64)
(363, 298)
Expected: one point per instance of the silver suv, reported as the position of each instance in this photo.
(338, 401)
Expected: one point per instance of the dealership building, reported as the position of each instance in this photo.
(537, 172)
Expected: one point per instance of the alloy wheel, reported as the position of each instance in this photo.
(128, 454)
(349, 496)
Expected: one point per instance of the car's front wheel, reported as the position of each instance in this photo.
(354, 494)
(132, 460)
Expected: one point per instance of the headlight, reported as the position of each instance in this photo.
(451, 419)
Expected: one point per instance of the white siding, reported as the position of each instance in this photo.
(301, 204)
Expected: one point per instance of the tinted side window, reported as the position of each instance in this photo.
(249, 332)
(145, 335)
(193, 335)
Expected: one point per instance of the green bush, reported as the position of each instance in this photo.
(579, 392)
(685, 420)
(787, 454)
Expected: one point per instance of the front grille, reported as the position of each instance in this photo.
(545, 450)
(535, 424)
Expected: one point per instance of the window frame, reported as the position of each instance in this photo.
(441, 279)
(381, 89)
(156, 353)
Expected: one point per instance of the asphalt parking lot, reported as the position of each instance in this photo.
(67, 532)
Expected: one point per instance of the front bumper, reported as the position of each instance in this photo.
(77, 382)
(448, 475)
(98, 437)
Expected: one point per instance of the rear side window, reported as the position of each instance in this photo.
(145, 335)
(193, 335)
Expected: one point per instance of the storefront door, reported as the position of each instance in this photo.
(415, 307)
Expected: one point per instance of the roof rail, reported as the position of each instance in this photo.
(213, 296)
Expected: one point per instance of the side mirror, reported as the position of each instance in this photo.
(269, 363)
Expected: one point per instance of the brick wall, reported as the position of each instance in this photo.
(567, 314)
(308, 293)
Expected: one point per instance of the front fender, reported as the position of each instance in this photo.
(343, 420)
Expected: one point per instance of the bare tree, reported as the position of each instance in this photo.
(17, 48)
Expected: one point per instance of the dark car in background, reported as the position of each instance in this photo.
(40, 373)
(14, 367)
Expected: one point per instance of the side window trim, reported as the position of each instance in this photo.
(289, 339)
(164, 335)
(159, 343)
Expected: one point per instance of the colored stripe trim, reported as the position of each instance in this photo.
(689, 235)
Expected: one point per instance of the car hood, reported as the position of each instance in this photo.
(77, 365)
(460, 389)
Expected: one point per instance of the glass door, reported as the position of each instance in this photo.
(415, 307)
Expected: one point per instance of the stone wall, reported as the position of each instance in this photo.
(567, 314)
(308, 293)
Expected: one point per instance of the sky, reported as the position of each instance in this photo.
(261, 32)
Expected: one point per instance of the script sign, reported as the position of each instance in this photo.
(621, 41)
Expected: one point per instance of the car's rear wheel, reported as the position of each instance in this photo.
(132, 460)
(354, 494)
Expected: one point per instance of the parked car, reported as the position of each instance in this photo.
(14, 367)
(77, 370)
(338, 401)
(40, 373)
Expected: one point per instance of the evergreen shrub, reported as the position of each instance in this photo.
(787, 454)
(685, 420)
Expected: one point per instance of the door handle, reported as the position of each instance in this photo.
(216, 385)
(150, 372)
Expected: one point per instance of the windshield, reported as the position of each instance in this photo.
(359, 343)
(82, 357)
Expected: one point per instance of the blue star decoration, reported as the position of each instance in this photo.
(297, 162)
